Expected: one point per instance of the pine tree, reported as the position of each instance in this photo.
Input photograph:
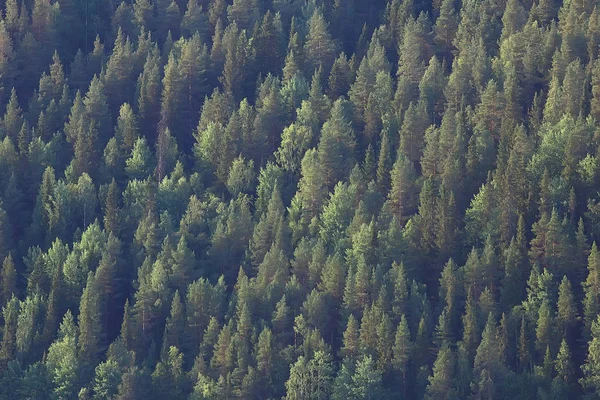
(111, 209)
(379, 105)
(591, 287)
(350, 348)
(193, 65)
(414, 50)
(62, 362)
(431, 88)
(238, 60)
(427, 215)
(123, 19)
(269, 43)
(141, 162)
(266, 231)
(8, 280)
(42, 22)
(166, 152)
(340, 77)
(564, 368)
(8, 345)
(361, 89)
(119, 73)
(582, 250)
(134, 384)
(441, 382)
(195, 20)
(89, 323)
(12, 16)
(244, 13)
(385, 343)
(168, 19)
(13, 119)
(270, 117)
(384, 164)
(544, 327)
(513, 19)
(292, 67)
(553, 109)
(319, 102)
(167, 377)
(175, 324)
(402, 198)
(412, 133)
(86, 152)
(310, 378)
(524, 351)
(573, 87)
(127, 130)
(106, 380)
(29, 327)
(402, 350)
(488, 356)
(171, 98)
(448, 226)
(595, 82)
(76, 118)
(295, 140)
(336, 147)
(446, 26)
(143, 14)
(470, 325)
(96, 108)
(366, 380)
(592, 364)
(265, 357)
(148, 92)
(7, 57)
(566, 315)
(319, 48)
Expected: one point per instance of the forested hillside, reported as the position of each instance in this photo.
(299, 199)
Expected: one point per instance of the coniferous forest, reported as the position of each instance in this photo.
(299, 199)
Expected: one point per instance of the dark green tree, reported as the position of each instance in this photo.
(319, 48)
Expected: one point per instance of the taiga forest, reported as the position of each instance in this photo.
(299, 199)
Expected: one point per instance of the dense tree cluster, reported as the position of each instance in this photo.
(299, 199)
